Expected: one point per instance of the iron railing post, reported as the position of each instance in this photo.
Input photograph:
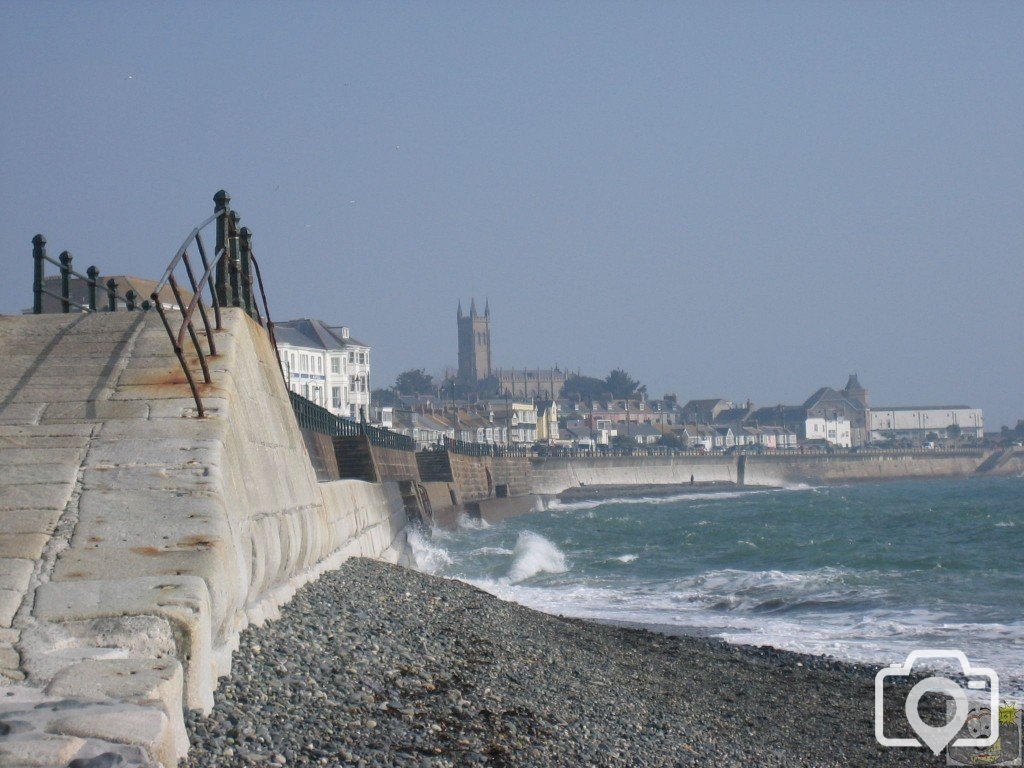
(129, 300)
(234, 267)
(93, 272)
(65, 282)
(245, 251)
(112, 295)
(38, 254)
(222, 201)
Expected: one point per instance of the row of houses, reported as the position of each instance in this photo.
(509, 422)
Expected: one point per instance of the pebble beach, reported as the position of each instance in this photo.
(378, 665)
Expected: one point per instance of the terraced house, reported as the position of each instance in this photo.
(325, 364)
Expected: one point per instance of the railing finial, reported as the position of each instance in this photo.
(65, 281)
(222, 199)
(38, 255)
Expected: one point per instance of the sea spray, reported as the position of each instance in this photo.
(534, 554)
(427, 555)
(847, 571)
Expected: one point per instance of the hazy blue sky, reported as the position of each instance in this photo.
(739, 200)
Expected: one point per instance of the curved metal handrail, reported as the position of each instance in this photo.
(228, 280)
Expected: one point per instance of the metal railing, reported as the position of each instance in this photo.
(485, 449)
(316, 418)
(91, 279)
(226, 279)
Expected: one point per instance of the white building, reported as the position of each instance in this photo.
(915, 423)
(835, 430)
(325, 364)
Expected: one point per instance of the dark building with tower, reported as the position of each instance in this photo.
(476, 371)
(474, 344)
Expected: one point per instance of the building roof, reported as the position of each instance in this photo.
(776, 414)
(316, 334)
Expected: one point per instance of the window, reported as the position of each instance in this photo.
(335, 365)
(304, 363)
(351, 357)
(336, 397)
(319, 364)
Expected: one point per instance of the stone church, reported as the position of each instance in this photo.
(475, 369)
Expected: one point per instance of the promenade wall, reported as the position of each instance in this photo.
(137, 541)
(554, 475)
(815, 469)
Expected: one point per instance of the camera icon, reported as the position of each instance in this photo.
(936, 738)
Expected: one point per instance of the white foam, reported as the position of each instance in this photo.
(534, 554)
(472, 523)
(427, 555)
(492, 551)
(626, 558)
(555, 505)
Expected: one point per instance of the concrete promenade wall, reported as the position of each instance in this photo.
(554, 475)
(477, 477)
(818, 469)
(137, 541)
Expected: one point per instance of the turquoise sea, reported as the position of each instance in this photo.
(863, 572)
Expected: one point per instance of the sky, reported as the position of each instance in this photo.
(740, 200)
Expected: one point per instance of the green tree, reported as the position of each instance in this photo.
(622, 385)
(670, 441)
(415, 382)
(954, 432)
(583, 388)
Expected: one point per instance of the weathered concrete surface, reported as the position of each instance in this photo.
(819, 469)
(554, 475)
(136, 540)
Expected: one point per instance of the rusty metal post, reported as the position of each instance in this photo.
(222, 201)
(93, 272)
(245, 253)
(65, 282)
(38, 254)
(112, 295)
(234, 265)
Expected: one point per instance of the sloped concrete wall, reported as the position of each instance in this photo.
(137, 540)
(815, 469)
(554, 475)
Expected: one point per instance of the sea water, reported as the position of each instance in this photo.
(864, 572)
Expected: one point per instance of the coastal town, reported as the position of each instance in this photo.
(552, 410)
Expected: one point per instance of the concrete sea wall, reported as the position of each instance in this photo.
(137, 541)
(554, 475)
(822, 469)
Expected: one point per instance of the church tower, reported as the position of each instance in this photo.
(854, 391)
(474, 343)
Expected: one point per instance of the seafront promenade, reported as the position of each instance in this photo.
(161, 490)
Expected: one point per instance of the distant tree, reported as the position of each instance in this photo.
(385, 398)
(932, 436)
(624, 442)
(954, 432)
(583, 388)
(415, 382)
(669, 440)
(622, 385)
